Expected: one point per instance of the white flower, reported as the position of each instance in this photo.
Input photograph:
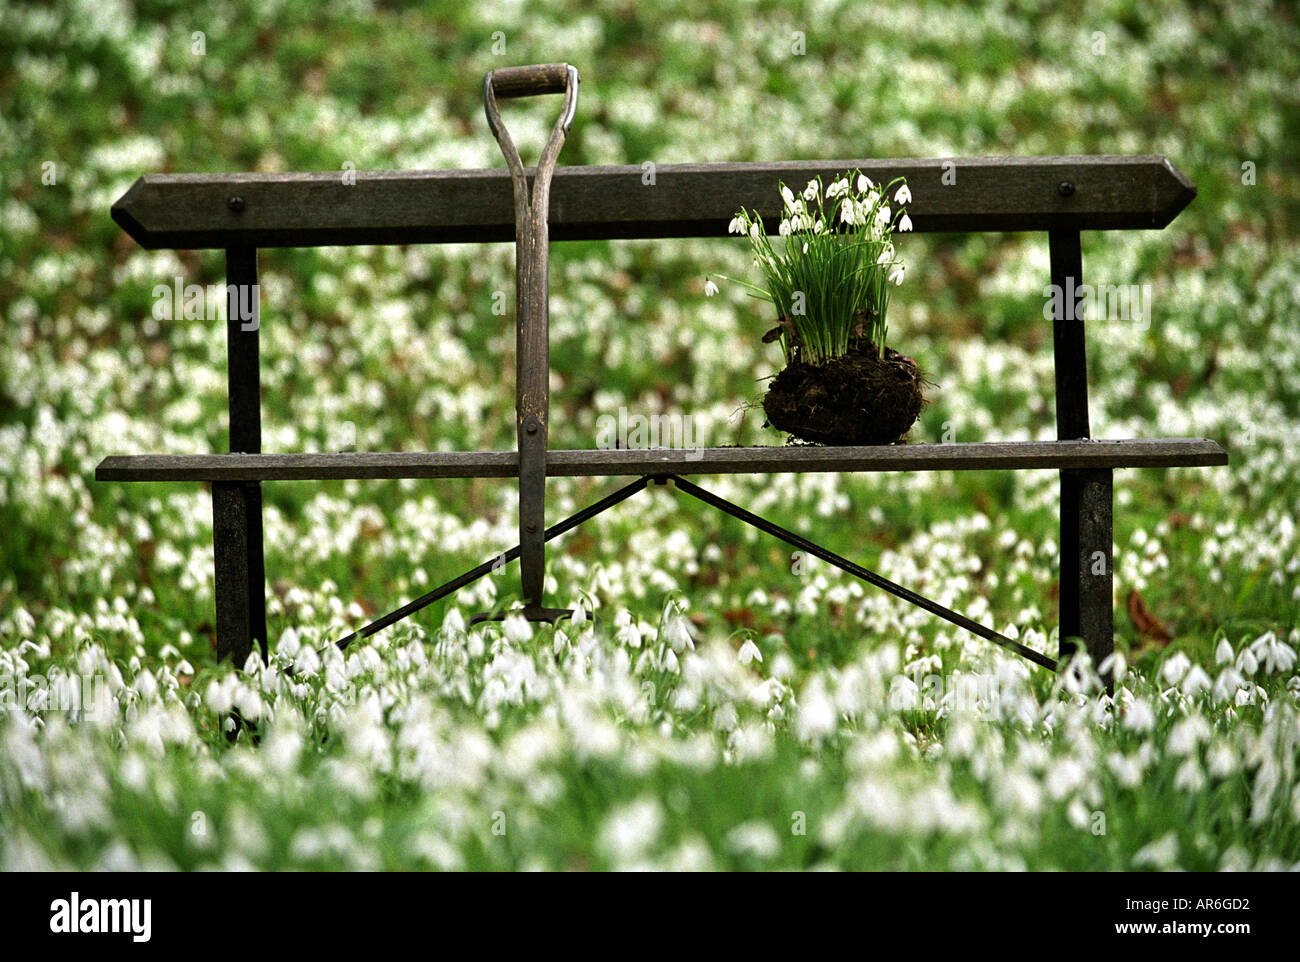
(749, 652)
(788, 196)
(754, 232)
(737, 226)
(1196, 681)
(1275, 655)
(885, 257)
(847, 214)
(1228, 683)
(754, 838)
(837, 188)
(864, 183)
(710, 288)
(905, 224)
(1161, 854)
(896, 275)
(812, 191)
(218, 697)
(902, 195)
(1187, 734)
(883, 215)
(1139, 717)
(1174, 668)
(517, 628)
(784, 229)
(1189, 776)
(1223, 654)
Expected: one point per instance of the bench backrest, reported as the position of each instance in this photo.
(210, 211)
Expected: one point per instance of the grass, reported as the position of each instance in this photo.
(644, 743)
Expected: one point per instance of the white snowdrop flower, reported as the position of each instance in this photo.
(737, 226)
(517, 629)
(1115, 664)
(1064, 777)
(289, 643)
(1223, 654)
(307, 663)
(1222, 760)
(1187, 734)
(24, 623)
(1174, 668)
(885, 257)
(864, 183)
(788, 195)
(630, 635)
(453, 623)
(1189, 776)
(805, 248)
(904, 224)
(1275, 655)
(754, 838)
(815, 718)
(1160, 854)
(903, 195)
(677, 632)
(710, 288)
(751, 742)
(671, 663)
(1195, 682)
(725, 717)
(1126, 769)
(1247, 663)
(784, 228)
(282, 749)
(896, 275)
(883, 215)
(1139, 717)
(249, 702)
(812, 191)
(837, 187)
(848, 215)
(631, 830)
(819, 227)
(146, 686)
(749, 652)
(1227, 684)
(754, 232)
(1020, 791)
(218, 698)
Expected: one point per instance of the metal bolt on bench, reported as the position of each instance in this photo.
(242, 212)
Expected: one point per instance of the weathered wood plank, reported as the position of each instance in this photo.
(1011, 455)
(201, 211)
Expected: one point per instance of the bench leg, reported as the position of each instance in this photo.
(1087, 565)
(237, 507)
(231, 556)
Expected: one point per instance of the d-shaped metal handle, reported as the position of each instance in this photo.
(531, 81)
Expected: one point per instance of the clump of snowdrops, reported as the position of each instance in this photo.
(830, 281)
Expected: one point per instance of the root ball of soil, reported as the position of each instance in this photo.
(860, 398)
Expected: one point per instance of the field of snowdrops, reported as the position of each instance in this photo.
(735, 707)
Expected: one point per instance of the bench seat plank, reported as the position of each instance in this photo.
(196, 211)
(997, 455)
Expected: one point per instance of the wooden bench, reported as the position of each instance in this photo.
(242, 213)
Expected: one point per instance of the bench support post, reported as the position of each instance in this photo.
(240, 571)
(1086, 575)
